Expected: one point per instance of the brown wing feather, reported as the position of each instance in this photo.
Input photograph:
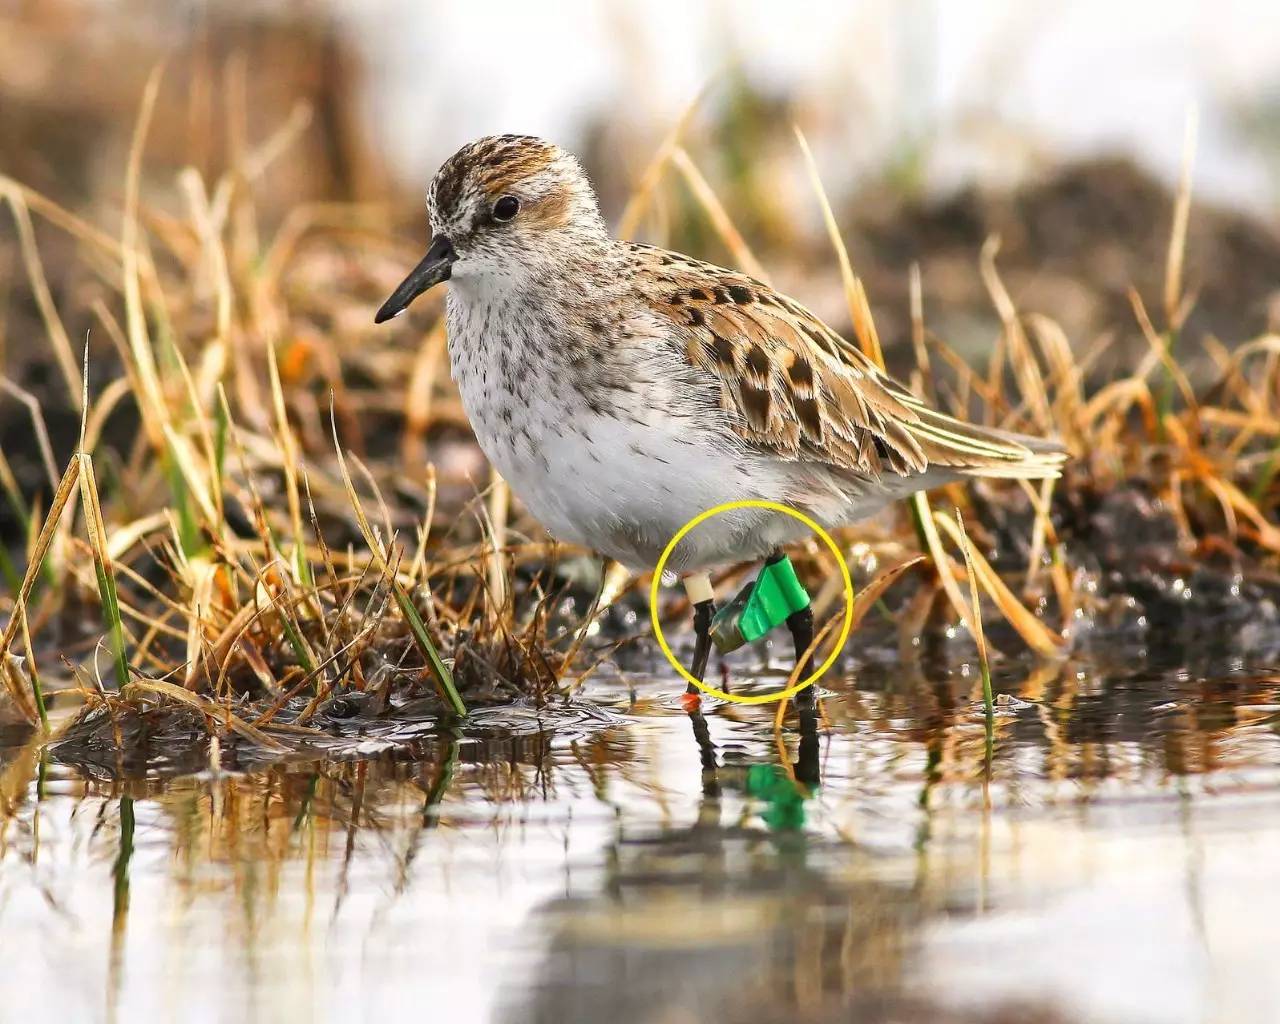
(794, 386)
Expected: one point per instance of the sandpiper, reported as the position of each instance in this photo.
(621, 389)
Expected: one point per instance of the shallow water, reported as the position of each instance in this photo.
(1116, 863)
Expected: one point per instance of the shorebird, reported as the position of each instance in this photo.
(621, 389)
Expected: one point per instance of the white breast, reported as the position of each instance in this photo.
(623, 476)
(620, 477)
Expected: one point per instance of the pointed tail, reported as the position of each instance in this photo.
(985, 451)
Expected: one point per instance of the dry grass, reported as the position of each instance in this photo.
(273, 534)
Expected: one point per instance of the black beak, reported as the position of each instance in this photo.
(435, 267)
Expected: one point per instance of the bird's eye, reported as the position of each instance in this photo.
(506, 208)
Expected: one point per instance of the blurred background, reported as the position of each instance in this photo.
(933, 94)
(281, 198)
(1059, 127)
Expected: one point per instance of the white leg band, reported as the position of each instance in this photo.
(698, 587)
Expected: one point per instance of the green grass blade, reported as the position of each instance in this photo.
(295, 641)
(418, 628)
(188, 529)
(102, 568)
(120, 869)
(1268, 474)
(221, 424)
(428, 649)
(33, 671)
(10, 572)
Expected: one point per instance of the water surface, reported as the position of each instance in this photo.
(1117, 861)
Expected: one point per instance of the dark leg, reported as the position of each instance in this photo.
(807, 768)
(703, 612)
(801, 625)
(707, 754)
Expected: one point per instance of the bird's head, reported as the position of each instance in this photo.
(502, 206)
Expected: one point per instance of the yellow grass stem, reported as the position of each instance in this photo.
(1035, 633)
(33, 670)
(301, 567)
(942, 562)
(862, 604)
(643, 192)
(614, 579)
(420, 393)
(417, 627)
(720, 220)
(211, 710)
(57, 334)
(151, 401)
(208, 225)
(979, 637)
(874, 591)
(1161, 350)
(61, 496)
(859, 312)
(43, 443)
(1048, 535)
(928, 389)
(13, 493)
(1175, 258)
(1026, 370)
(802, 659)
(418, 565)
(61, 217)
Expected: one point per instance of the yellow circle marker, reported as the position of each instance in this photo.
(773, 506)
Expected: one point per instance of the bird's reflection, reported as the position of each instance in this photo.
(802, 777)
(736, 915)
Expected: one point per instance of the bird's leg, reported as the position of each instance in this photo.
(800, 623)
(698, 587)
(807, 767)
(706, 752)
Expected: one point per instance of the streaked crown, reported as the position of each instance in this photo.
(547, 183)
